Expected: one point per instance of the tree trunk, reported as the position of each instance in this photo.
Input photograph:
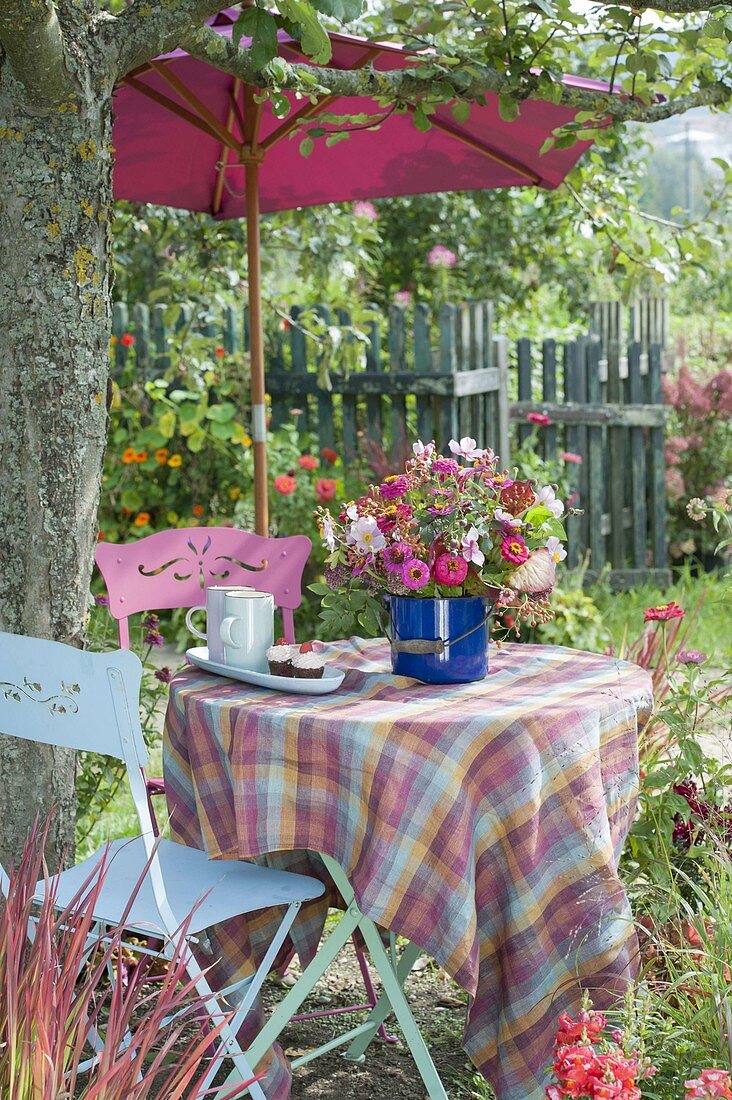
(55, 208)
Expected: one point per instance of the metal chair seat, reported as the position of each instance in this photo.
(213, 891)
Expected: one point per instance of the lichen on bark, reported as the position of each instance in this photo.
(54, 337)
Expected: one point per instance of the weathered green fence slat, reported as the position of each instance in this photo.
(501, 430)
(617, 458)
(580, 473)
(523, 352)
(656, 464)
(141, 326)
(595, 459)
(397, 364)
(324, 398)
(447, 423)
(159, 333)
(549, 393)
(349, 411)
(374, 363)
(571, 439)
(299, 361)
(638, 510)
(120, 325)
(423, 365)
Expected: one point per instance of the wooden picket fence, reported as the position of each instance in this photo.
(609, 410)
(450, 376)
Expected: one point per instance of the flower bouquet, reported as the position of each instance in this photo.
(446, 530)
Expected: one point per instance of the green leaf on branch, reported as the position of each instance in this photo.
(343, 10)
(461, 110)
(508, 107)
(313, 38)
(257, 24)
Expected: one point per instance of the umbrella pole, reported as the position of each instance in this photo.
(256, 348)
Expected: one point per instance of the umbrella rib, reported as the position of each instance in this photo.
(219, 189)
(310, 109)
(216, 127)
(176, 109)
(485, 150)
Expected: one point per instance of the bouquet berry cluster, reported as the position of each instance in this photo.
(447, 526)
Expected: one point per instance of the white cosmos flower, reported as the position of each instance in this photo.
(471, 551)
(466, 448)
(505, 517)
(365, 536)
(548, 498)
(422, 450)
(328, 535)
(555, 548)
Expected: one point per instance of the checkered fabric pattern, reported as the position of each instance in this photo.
(482, 821)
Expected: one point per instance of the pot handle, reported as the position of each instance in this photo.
(438, 645)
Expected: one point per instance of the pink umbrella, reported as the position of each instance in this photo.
(190, 136)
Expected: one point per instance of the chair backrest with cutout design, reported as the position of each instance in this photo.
(174, 568)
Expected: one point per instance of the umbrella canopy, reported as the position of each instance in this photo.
(192, 137)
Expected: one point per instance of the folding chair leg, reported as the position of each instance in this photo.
(382, 1008)
(402, 1011)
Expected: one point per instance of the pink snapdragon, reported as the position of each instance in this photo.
(709, 1083)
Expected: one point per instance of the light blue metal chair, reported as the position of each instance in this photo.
(58, 695)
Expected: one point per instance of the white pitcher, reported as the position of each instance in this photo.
(247, 632)
(215, 614)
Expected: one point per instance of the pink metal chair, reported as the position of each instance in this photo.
(173, 569)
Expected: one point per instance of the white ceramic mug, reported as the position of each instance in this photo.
(215, 613)
(247, 632)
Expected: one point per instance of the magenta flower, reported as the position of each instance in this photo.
(571, 457)
(514, 549)
(445, 466)
(450, 570)
(154, 637)
(164, 675)
(540, 419)
(396, 485)
(101, 601)
(416, 574)
(441, 257)
(397, 556)
(443, 508)
(691, 657)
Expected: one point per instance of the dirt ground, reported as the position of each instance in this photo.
(387, 1071)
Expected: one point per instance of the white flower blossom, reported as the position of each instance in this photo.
(555, 548)
(365, 536)
(548, 498)
(466, 448)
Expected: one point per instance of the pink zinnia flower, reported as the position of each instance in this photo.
(540, 419)
(397, 556)
(403, 298)
(308, 462)
(441, 257)
(450, 570)
(416, 574)
(691, 657)
(514, 549)
(445, 466)
(572, 457)
(396, 485)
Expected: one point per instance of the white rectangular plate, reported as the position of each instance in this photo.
(332, 677)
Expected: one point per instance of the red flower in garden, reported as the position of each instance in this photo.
(329, 455)
(308, 462)
(709, 1083)
(285, 484)
(540, 419)
(325, 489)
(127, 339)
(197, 509)
(586, 1025)
(220, 353)
(450, 570)
(663, 612)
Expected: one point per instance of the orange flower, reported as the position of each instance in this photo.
(285, 484)
(141, 456)
(175, 461)
(127, 339)
(220, 353)
(141, 519)
(101, 535)
(308, 462)
(329, 455)
(162, 455)
(197, 509)
(113, 341)
(129, 455)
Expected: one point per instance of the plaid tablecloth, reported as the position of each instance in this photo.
(482, 821)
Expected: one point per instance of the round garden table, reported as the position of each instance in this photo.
(482, 821)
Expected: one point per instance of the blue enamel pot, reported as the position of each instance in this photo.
(439, 641)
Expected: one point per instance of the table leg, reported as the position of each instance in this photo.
(382, 1008)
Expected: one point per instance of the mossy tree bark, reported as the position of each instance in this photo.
(55, 207)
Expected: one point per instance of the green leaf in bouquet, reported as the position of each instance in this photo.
(538, 514)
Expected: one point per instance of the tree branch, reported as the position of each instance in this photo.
(144, 30)
(31, 37)
(671, 7)
(406, 86)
